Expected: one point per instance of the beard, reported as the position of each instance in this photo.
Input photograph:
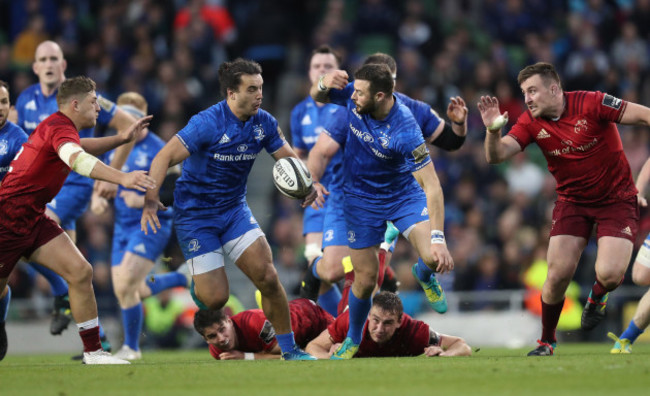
(369, 108)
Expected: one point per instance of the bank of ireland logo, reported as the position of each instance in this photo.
(352, 236)
(329, 235)
(4, 147)
(242, 148)
(193, 246)
(368, 137)
(258, 131)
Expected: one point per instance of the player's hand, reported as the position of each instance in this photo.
(106, 189)
(231, 355)
(311, 197)
(131, 132)
(641, 200)
(433, 350)
(457, 110)
(490, 113)
(442, 256)
(98, 204)
(150, 216)
(336, 79)
(132, 199)
(138, 180)
(334, 347)
(319, 200)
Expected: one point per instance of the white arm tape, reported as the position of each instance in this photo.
(84, 164)
(66, 151)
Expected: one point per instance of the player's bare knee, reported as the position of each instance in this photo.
(214, 302)
(79, 273)
(267, 281)
(641, 275)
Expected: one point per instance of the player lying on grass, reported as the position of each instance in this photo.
(388, 333)
(249, 335)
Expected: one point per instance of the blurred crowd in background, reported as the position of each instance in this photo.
(497, 217)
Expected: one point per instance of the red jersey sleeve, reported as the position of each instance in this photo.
(61, 132)
(519, 131)
(255, 333)
(604, 106)
(339, 328)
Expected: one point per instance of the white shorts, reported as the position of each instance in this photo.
(232, 249)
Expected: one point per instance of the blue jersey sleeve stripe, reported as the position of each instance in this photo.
(183, 142)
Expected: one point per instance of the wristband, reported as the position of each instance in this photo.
(249, 356)
(437, 236)
(458, 123)
(322, 87)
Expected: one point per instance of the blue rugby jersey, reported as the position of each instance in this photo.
(12, 138)
(33, 107)
(380, 156)
(307, 122)
(140, 158)
(425, 116)
(223, 150)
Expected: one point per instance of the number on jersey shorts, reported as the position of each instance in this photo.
(70, 203)
(130, 238)
(334, 227)
(366, 220)
(207, 239)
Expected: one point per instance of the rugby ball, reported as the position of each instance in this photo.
(292, 178)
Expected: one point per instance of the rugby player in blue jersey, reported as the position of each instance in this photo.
(436, 132)
(307, 120)
(33, 105)
(388, 176)
(134, 253)
(11, 140)
(212, 219)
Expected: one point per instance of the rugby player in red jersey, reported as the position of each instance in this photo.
(577, 133)
(249, 335)
(35, 176)
(388, 332)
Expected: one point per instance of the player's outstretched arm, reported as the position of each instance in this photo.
(336, 79)
(430, 183)
(320, 346)
(636, 114)
(497, 148)
(98, 146)
(457, 112)
(173, 153)
(319, 157)
(239, 355)
(450, 346)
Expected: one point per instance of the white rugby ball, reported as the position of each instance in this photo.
(292, 178)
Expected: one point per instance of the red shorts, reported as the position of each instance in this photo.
(13, 247)
(618, 220)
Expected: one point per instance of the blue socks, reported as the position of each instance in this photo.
(358, 314)
(57, 283)
(165, 281)
(4, 305)
(132, 323)
(632, 332)
(330, 300)
(286, 341)
(423, 271)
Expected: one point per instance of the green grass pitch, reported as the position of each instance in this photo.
(576, 369)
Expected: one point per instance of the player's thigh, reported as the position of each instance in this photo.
(212, 285)
(365, 263)
(613, 258)
(641, 268)
(563, 255)
(62, 256)
(256, 260)
(131, 271)
(332, 262)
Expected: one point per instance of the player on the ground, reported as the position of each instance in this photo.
(389, 333)
(388, 176)
(307, 120)
(133, 252)
(249, 335)
(35, 176)
(641, 277)
(33, 105)
(435, 131)
(578, 136)
(212, 219)
(11, 140)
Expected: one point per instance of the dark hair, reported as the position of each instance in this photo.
(230, 73)
(382, 59)
(206, 317)
(545, 70)
(388, 302)
(73, 87)
(379, 76)
(326, 49)
(4, 85)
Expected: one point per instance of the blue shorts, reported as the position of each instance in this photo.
(129, 238)
(70, 203)
(366, 219)
(334, 228)
(200, 235)
(312, 219)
